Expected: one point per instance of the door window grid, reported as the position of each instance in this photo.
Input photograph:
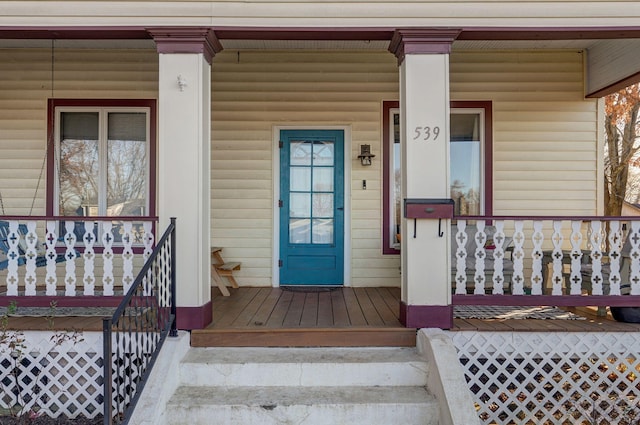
(311, 197)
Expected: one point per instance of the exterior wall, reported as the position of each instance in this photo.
(545, 133)
(25, 86)
(255, 91)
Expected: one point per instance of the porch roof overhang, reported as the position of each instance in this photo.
(612, 60)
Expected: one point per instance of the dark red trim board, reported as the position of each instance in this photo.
(189, 318)
(556, 300)
(426, 316)
(77, 301)
(319, 33)
(386, 170)
(102, 103)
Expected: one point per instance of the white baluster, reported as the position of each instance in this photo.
(556, 256)
(107, 258)
(148, 250)
(537, 255)
(479, 279)
(576, 258)
(51, 279)
(498, 259)
(518, 258)
(615, 247)
(461, 258)
(31, 256)
(70, 263)
(148, 240)
(127, 256)
(596, 257)
(13, 240)
(634, 258)
(89, 256)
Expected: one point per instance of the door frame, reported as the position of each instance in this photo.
(275, 280)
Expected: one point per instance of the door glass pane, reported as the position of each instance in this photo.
(300, 230)
(323, 205)
(322, 231)
(300, 179)
(323, 179)
(300, 153)
(300, 205)
(126, 164)
(323, 153)
(465, 151)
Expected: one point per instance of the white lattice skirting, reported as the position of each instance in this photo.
(55, 380)
(67, 379)
(552, 378)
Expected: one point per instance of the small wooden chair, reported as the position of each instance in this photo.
(220, 269)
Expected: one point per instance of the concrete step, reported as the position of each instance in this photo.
(194, 405)
(303, 367)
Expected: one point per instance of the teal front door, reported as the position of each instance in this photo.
(311, 207)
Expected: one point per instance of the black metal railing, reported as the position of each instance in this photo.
(135, 333)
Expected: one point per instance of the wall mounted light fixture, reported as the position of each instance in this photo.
(365, 155)
(182, 82)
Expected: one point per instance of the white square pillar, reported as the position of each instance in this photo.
(184, 165)
(423, 57)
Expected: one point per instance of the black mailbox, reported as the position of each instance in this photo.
(428, 208)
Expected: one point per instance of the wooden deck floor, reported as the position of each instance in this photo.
(349, 316)
(278, 317)
(342, 317)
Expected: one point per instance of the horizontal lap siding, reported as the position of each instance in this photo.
(25, 86)
(252, 92)
(545, 132)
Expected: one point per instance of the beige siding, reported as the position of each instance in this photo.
(255, 91)
(26, 84)
(545, 132)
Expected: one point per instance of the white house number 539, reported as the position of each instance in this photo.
(426, 133)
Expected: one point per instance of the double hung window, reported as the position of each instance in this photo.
(102, 160)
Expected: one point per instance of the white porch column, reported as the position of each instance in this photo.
(423, 58)
(184, 166)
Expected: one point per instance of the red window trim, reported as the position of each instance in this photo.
(52, 104)
(386, 166)
(386, 169)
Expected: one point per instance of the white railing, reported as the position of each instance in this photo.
(546, 256)
(72, 256)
